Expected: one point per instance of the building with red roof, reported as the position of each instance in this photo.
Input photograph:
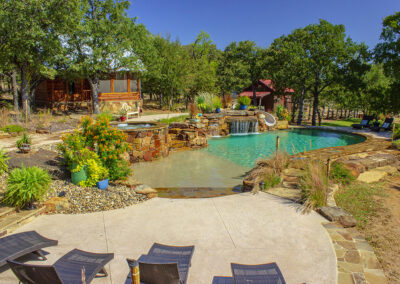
(266, 95)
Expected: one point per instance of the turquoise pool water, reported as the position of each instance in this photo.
(246, 150)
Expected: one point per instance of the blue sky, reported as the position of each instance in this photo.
(260, 20)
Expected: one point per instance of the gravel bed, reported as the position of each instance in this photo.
(86, 200)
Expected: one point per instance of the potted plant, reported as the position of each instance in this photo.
(217, 104)
(123, 111)
(79, 161)
(103, 178)
(244, 102)
(24, 144)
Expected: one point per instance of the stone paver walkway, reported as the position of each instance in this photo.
(356, 259)
(242, 228)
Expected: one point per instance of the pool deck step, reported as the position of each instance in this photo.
(11, 221)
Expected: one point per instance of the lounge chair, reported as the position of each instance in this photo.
(165, 264)
(364, 122)
(386, 125)
(257, 274)
(68, 269)
(17, 245)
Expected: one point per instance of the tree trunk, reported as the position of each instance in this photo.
(254, 95)
(161, 98)
(315, 109)
(327, 115)
(25, 90)
(94, 84)
(15, 91)
(319, 117)
(309, 111)
(301, 105)
(294, 108)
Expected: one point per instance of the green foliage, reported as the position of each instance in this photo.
(174, 119)
(13, 128)
(396, 133)
(271, 179)
(105, 115)
(217, 102)
(26, 185)
(99, 138)
(314, 186)
(342, 123)
(340, 174)
(3, 161)
(25, 139)
(244, 100)
(94, 170)
(396, 143)
(360, 199)
(282, 113)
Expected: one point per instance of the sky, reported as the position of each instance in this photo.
(259, 20)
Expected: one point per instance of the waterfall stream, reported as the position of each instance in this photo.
(243, 127)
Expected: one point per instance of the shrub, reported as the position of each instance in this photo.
(396, 133)
(340, 174)
(25, 139)
(26, 185)
(271, 179)
(109, 143)
(13, 128)
(217, 102)
(105, 115)
(314, 186)
(278, 161)
(244, 100)
(282, 113)
(94, 171)
(174, 119)
(3, 161)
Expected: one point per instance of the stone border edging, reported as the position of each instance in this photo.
(355, 258)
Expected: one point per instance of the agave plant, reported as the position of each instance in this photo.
(26, 185)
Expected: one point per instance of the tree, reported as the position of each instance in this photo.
(316, 54)
(30, 32)
(388, 53)
(104, 41)
(243, 64)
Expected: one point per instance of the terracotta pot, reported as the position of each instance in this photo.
(122, 118)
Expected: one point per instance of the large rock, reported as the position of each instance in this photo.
(56, 204)
(376, 174)
(332, 213)
(347, 221)
(181, 125)
(144, 189)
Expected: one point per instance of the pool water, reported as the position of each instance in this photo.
(246, 150)
(225, 162)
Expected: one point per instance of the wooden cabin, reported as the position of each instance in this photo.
(266, 96)
(114, 90)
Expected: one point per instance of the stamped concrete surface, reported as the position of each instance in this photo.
(241, 228)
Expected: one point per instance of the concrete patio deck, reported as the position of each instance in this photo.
(242, 228)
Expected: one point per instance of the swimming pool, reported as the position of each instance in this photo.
(246, 150)
(225, 162)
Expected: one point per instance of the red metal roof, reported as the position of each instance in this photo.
(268, 83)
(250, 94)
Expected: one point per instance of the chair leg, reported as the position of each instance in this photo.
(39, 254)
(103, 271)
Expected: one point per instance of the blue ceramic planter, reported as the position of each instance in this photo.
(243, 107)
(218, 110)
(103, 184)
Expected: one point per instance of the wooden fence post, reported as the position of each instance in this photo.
(134, 267)
(328, 167)
(26, 114)
(83, 275)
(277, 143)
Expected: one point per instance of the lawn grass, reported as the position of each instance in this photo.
(361, 200)
(341, 123)
(174, 119)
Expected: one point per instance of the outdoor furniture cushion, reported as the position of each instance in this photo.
(364, 122)
(257, 274)
(68, 269)
(17, 245)
(164, 263)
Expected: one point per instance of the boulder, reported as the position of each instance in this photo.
(181, 125)
(144, 189)
(56, 204)
(347, 221)
(332, 213)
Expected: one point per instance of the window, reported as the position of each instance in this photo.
(133, 86)
(120, 86)
(105, 86)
